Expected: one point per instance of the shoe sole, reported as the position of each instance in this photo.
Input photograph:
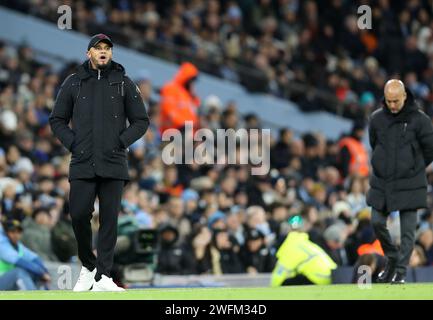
(90, 289)
(98, 290)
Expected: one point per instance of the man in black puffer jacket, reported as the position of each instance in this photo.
(98, 100)
(401, 137)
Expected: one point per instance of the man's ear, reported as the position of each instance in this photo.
(88, 54)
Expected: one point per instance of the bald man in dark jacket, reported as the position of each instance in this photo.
(401, 137)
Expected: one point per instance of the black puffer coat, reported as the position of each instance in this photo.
(402, 147)
(99, 103)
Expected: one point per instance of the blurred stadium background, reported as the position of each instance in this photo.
(301, 68)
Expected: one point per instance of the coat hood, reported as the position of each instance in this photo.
(168, 227)
(186, 72)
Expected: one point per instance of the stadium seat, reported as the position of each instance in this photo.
(423, 274)
(342, 275)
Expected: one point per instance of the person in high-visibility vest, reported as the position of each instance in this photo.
(179, 102)
(20, 268)
(353, 154)
(301, 261)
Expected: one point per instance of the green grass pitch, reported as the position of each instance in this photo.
(333, 292)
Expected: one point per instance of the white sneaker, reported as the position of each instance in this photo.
(106, 284)
(86, 280)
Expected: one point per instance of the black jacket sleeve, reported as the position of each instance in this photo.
(371, 133)
(136, 114)
(425, 138)
(62, 113)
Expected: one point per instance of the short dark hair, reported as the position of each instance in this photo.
(41, 210)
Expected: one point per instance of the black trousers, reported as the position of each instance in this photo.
(396, 256)
(81, 201)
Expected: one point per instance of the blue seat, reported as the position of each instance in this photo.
(423, 274)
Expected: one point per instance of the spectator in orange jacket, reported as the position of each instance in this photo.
(178, 100)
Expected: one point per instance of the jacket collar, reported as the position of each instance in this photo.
(410, 106)
(115, 72)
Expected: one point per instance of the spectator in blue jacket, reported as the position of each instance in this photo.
(20, 268)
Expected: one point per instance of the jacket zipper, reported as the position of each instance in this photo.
(99, 74)
(79, 89)
(404, 130)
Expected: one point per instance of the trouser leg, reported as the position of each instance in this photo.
(17, 279)
(408, 220)
(378, 220)
(110, 196)
(81, 203)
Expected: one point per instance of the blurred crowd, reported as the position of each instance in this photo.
(207, 219)
(218, 219)
(311, 52)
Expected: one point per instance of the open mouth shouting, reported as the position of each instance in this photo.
(103, 59)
